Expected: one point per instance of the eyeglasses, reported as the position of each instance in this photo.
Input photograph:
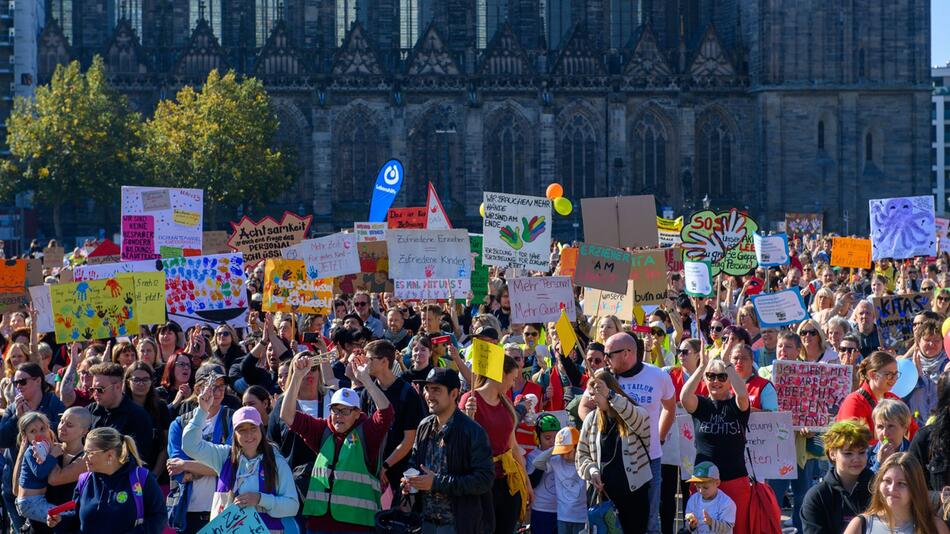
(139, 380)
(20, 382)
(183, 364)
(611, 353)
(716, 328)
(848, 349)
(336, 410)
(530, 334)
(809, 332)
(717, 377)
(360, 304)
(889, 375)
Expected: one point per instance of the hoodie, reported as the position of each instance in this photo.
(106, 504)
(828, 507)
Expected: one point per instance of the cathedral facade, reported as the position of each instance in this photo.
(764, 105)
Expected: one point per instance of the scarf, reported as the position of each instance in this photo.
(933, 367)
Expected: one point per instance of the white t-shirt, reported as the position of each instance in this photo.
(202, 488)
(312, 408)
(571, 491)
(649, 388)
(720, 508)
(545, 498)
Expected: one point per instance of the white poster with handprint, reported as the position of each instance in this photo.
(724, 239)
(517, 231)
(326, 257)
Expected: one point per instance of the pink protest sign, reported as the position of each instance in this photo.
(813, 392)
(138, 237)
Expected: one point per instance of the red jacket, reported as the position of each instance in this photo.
(858, 406)
(755, 385)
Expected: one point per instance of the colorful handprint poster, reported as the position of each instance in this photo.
(723, 238)
(161, 217)
(206, 290)
(903, 227)
(97, 309)
(289, 287)
(517, 231)
(429, 254)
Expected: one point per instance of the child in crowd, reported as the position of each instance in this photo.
(33, 466)
(891, 421)
(544, 506)
(709, 510)
(571, 489)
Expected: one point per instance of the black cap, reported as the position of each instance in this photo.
(486, 331)
(443, 377)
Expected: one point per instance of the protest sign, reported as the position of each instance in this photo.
(698, 278)
(685, 431)
(811, 391)
(780, 308)
(568, 262)
(436, 217)
(388, 182)
(517, 231)
(799, 224)
(12, 276)
(599, 303)
(602, 267)
(432, 288)
(97, 309)
(770, 441)
(406, 218)
(851, 252)
(487, 359)
(53, 257)
(236, 520)
(214, 242)
(174, 217)
(648, 272)
(429, 254)
(149, 297)
(106, 252)
(290, 287)
(110, 270)
(370, 231)
(565, 333)
(43, 304)
(674, 259)
(668, 231)
(943, 233)
(374, 271)
(479, 270)
(267, 237)
(902, 227)
(328, 256)
(895, 316)
(627, 221)
(771, 250)
(540, 299)
(724, 239)
(206, 290)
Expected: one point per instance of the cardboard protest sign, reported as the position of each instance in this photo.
(698, 278)
(602, 267)
(328, 256)
(289, 287)
(374, 271)
(436, 217)
(370, 231)
(780, 308)
(540, 299)
(895, 316)
(943, 233)
(97, 309)
(161, 217)
(517, 231)
(568, 262)
(599, 303)
(388, 182)
(565, 333)
(724, 239)
(487, 359)
(53, 257)
(648, 272)
(851, 252)
(214, 242)
(236, 520)
(429, 254)
(771, 250)
(267, 237)
(674, 259)
(627, 221)
(811, 391)
(12, 276)
(903, 227)
(668, 231)
(43, 304)
(432, 288)
(149, 297)
(402, 218)
(771, 441)
(206, 290)
(799, 224)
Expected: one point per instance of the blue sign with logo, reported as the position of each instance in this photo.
(388, 182)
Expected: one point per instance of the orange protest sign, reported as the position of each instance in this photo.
(13, 276)
(851, 252)
(414, 217)
(568, 261)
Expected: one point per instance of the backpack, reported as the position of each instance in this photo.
(137, 478)
(765, 515)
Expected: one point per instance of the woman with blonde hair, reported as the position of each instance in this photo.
(607, 326)
(815, 347)
(15, 354)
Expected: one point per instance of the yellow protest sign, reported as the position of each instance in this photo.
(186, 218)
(851, 252)
(94, 309)
(290, 287)
(150, 297)
(488, 359)
(673, 225)
(565, 333)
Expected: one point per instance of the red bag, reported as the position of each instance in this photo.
(765, 515)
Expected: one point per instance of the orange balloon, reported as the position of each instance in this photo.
(554, 191)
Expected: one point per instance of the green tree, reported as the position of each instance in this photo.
(219, 139)
(74, 140)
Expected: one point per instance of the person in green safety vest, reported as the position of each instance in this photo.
(343, 494)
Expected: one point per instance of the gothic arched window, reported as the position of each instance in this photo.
(821, 135)
(506, 150)
(649, 154)
(714, 157)
(210, 10)
(357, 157)
(436, 157)
(266, 15)
(577, 158)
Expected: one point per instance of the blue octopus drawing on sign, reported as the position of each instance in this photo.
(903, 227)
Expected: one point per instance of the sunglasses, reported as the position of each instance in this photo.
(530, 334)
(682, 351)
(848, 349)
(717, 377)
(100, 389)
(809, 332)
(360, 304)
(611, 353)
(716, 328)
(20, 382)
(223, 333)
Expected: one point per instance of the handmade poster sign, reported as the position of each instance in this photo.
(648, 273)
(149, 297)
(903, 227)
(429, 254)
(374, 271)
(12, 276)
(602, 267)
(488, 359)
(138, 237)
(698, 278)
(780, 308)
(811, 391)
(770, 439)
(771, 250)
(206, 290)
(401, 218)
(98, 309)
(799, 224)
(236, 520)
(540, 299)
(53, 257)
(686, 440)
(436, 217)
(110, 270)
(479, 270)
(895, 316)
(674, 259)
(289, 287)
(42, 303)
(328, 256)
(517, 231)
(174, 216)
(943, 233)
(568, 262)
(668, 231)
(627, 221)
(851, 252)
(267, 237)
(106, 252)
(214, 242)
(432, 288)
(370, 231)
(599, 303)
(724, 239)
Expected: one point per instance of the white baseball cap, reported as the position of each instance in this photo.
(346, 397)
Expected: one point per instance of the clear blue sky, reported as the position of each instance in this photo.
(939, 22)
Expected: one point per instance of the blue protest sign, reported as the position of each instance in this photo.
(388, 181)
(771, 250)
(780, 308)
(236, 520)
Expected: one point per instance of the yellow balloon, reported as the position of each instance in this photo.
(481, 210)
(563, 206)
(946, 327)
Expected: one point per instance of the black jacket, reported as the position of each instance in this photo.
(471, 471)
(828, 507)
(936, 468)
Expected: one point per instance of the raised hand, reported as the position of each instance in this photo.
(703, 247)
(206, 399)
(733, 230)
(512, 236)
(532, 228)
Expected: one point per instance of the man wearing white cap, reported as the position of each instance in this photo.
(344, 489)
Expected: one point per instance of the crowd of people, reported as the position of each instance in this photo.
(370, 416)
